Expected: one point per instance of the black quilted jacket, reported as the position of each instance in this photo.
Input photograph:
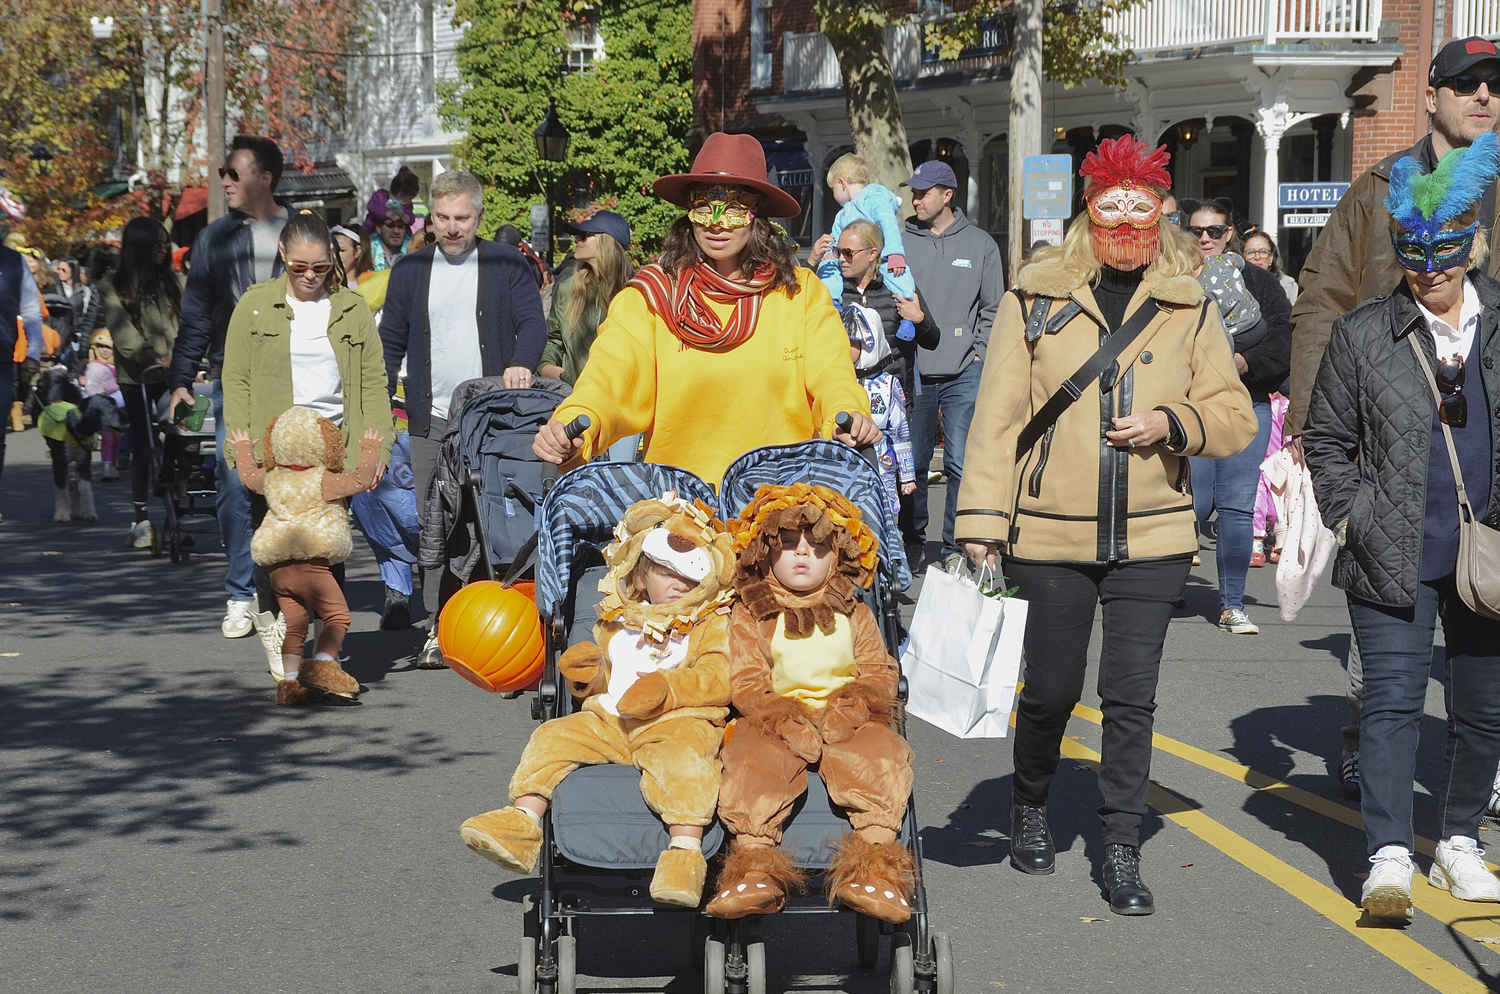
(1368, 436)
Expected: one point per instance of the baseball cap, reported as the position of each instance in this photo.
(932, 173)
(1461, 55)
(603, 223)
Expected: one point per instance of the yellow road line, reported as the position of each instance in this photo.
(1406, 952)
(1466, 916)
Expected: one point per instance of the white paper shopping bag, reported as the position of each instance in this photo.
(963, 657)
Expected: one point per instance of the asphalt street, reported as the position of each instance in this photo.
(164, 827)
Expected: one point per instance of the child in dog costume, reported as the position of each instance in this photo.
(811, 677)
(304, 532)
(655, 690)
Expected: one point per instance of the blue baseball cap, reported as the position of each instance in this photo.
(932, 173)
(603, 223)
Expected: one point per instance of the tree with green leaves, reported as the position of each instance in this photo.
(628, 113)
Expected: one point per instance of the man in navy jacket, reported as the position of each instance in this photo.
(457, 310)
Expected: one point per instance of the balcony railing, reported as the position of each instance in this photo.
(809, 63)
(1161, 25)
(1476, 17)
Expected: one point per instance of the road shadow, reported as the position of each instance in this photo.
(152, 757)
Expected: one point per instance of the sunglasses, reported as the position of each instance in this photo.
(1175, 218)
(303, 268)
(1466, 84)
(848, 253)
(232, 173)
(1214, 231)
(1453, 410)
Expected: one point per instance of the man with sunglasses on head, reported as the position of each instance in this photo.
(1354, 261)
(229, 256)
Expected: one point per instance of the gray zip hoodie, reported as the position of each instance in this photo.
(962, 279)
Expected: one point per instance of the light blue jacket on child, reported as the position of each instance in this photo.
(878, 204)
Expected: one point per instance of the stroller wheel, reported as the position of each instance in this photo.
(567, 964)
(755, 967)
(713, 965)
(903, 970)
(526, 966)
(942, 962)
(867, 940)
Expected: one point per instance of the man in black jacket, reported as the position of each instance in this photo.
(230, 255)
(454, 311)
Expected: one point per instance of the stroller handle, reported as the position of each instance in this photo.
(577, 426)
(843, 421)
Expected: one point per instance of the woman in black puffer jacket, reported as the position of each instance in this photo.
(1376, 445)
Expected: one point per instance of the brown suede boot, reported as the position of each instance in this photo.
(16, 424)
(508, 837)
(328, 676)
(754, 881)
(679, 877)
(293, 693)
(874, 879)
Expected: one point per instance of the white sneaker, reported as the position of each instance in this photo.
(140, 535)
(1387, 892)
(272, 631)
(237, 623)
(1459, 869)
(1237, 622)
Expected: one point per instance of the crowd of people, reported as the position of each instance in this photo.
(1099, 411)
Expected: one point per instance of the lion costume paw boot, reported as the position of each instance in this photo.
(508, 837)
(754, 881)
(874, 879)
(329, 677)
(293, 693)
(679, 877)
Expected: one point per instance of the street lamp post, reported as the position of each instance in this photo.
(551, 146)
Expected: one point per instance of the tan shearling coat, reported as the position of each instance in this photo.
(1073, 497)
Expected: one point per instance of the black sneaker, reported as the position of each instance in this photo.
(1349, 775)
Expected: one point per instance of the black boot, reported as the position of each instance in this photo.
(1128, 894)
(1031, 849)
(397, 612)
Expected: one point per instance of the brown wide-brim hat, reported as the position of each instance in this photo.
(731, 160)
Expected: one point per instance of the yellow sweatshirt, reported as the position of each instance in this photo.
(701, 410)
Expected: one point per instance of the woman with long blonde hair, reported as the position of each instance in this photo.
(1106, 369)
(582, 300)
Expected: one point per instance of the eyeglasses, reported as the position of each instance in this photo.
(1214, 231)
(303, 268)
(1467, 85)
(1258, 253)
(849, 253)
(233, 174)
(1453, 409)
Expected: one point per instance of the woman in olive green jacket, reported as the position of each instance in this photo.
(261, 381)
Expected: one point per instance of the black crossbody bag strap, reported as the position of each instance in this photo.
(1090, 371)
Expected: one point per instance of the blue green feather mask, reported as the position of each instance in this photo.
(1435, 215)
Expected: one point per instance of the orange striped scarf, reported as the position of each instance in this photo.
(684, 305)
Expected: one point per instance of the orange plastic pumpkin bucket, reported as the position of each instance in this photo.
(491, 636)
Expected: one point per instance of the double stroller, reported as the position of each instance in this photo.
(600, 841)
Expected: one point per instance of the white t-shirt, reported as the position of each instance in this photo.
(452, 297)
(631, 655)
(265, 238)
(316, 381)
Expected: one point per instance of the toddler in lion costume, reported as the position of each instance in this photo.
(655, 690)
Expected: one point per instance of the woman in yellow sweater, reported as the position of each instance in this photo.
(724, 344)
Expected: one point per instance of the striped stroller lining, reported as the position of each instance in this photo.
(821, 463)
(585, 506)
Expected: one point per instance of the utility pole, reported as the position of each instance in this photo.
(1025, 117)
(213, 72)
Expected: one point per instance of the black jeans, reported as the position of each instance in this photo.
(437, 584)
(7, 391)
(1396, 645)
(138, 408)
(1138, 600)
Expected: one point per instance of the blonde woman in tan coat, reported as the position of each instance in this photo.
(1087, 499)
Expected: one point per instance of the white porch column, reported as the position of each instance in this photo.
(1273, 122)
